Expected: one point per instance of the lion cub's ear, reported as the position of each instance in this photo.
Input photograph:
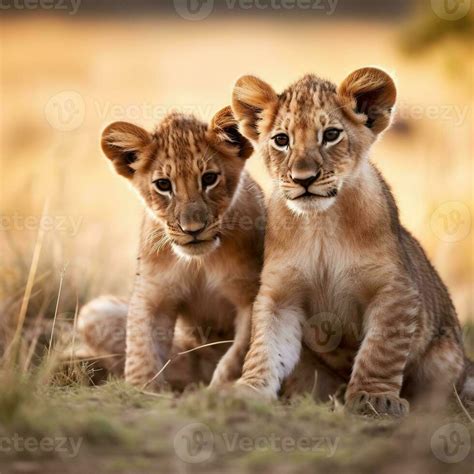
(253, 102)
(121, 143)
(371, 92)
(224, 134)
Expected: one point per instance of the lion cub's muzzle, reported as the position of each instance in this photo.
(311, 184)
(196, 246)
(196, 237)
(310, 189)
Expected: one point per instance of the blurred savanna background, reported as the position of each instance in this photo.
(69, 226)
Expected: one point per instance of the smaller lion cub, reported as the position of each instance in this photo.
(201, 241)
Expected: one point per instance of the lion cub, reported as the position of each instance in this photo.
(341, 275)
(201, 240)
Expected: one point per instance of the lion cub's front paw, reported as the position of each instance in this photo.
(239, 390)
(219, 382)
(364, 403)
(243, 390)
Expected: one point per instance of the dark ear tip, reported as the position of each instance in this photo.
(246, 150)
(224, 130)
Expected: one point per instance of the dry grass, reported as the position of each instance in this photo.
(136, 71)
(139, 70)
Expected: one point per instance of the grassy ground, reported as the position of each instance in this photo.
(116, 429)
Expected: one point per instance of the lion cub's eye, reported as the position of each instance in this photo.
(163, 185)
(282, 140)
(209, 179)
(331, 135)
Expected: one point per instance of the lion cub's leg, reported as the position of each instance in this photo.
(377, 374)
(431, 378)
(230, 366)
(276, 339)
(150, 329)
(312, 376)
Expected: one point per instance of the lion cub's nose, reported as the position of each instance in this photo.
(305, 179)
(192, 228)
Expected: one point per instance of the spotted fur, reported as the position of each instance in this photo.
(200, 248)
(342, 276)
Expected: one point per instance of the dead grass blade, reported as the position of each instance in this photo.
(179, 355)
(205, 345)
(36, 334)
(373, 409)
(314, 389)
(58, 299)
(461, 404)
(92, 359)
(29, 285)
(156, 375)
(74, 328)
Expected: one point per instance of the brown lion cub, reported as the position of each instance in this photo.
(201, 241)
(336, 253)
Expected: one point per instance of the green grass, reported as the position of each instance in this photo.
(113, 428)
(117, 429)
(73, 427)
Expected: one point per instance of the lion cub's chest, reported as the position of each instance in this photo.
(333, 299)
(203, 299)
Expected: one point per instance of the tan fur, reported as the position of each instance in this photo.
(101, 327)
(101, 340)
(201, 247)
(338, 254)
